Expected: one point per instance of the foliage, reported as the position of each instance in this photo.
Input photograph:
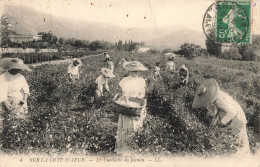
(127, 46)
(232, 53)
(244, 51)
(64, 122)
(189, 51)
(212, 47)
(6, 30)
(30, 58)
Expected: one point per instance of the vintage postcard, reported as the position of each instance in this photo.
(129, 83)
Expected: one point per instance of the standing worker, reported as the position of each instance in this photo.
(133, 92)
(227, 111)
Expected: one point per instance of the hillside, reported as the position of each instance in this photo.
(29, 21)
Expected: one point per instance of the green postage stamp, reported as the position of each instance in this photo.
(233, 22)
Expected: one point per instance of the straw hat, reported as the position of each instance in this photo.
(13, 63)
(206, 94)
(107, 72)
(170, 55)
(134, 66)
(183, 67)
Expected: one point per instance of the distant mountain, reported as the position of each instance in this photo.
(28, 21)
(175, 39)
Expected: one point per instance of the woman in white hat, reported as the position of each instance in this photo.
(73, 70)
(184, 75)
(227, 111)
(133, 89)
(14, 88)
(102, 82)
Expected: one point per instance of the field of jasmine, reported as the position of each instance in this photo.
(61, 120)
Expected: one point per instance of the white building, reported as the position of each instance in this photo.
(37, 38)
(140, 49)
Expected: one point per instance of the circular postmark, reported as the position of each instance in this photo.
(227, 22)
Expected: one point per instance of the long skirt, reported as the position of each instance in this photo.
(239, 128)
(243, 147)
(127, 127)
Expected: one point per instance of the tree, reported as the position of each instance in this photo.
(78, 43)
(232, 53)
(94, 45)
(47, 37)
(249, 54)
(189, 51)
(212, 47)
(6, 30)
(120, 45)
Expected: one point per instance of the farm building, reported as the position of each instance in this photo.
(142, 49)
(20, 38)
(37, 38)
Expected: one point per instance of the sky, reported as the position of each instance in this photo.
(133, 13)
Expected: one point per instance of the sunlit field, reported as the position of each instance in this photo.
(61, 120)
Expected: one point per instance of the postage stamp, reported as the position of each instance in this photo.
(228, 22)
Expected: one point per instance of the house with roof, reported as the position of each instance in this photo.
(141, 49)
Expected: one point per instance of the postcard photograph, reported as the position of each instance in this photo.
(129, 83)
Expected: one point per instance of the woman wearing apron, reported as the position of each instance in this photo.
(133, 90)
(14, 90)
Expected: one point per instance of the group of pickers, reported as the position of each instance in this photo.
(14, 91)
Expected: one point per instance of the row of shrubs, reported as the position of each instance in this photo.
(31, 58)
(171, 126)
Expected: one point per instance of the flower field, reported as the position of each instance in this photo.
(61, 120)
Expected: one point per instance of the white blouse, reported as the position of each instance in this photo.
(170, 66)
(230, 107)
(13, 86)
(74, 70)
(133, 86)
(101, 81)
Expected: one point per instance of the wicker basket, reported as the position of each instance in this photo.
(124, 109)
